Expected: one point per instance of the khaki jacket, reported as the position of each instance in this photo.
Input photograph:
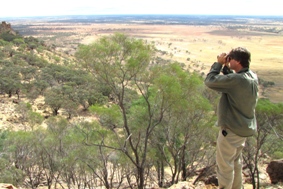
(236, 108)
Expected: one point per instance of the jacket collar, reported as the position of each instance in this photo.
(243, 70)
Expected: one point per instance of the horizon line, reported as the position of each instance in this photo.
(73, 15)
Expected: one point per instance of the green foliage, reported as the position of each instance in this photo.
(18, 41)
(9, 174)
(34, 119)
(270, 121)
(57, 59)
(264, 106)
(115, 57)
(150, 102)
(110, 117)
(55, 99)
(33, 43)
(278, 155)
(23, 110)
(268, 138)
(22, 48)
(3, 42)
(10, 81)
(33, 60)
(3, 137)
(6, 36)
(186, 125)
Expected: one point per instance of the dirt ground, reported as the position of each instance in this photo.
(195, 46)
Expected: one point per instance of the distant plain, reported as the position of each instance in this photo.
(192, 40)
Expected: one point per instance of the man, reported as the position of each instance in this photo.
(236, 112)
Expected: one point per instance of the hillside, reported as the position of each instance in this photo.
(23, 59)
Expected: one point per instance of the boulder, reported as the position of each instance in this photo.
(5, 186)
(275, 171)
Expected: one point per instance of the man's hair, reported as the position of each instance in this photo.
(242, 55)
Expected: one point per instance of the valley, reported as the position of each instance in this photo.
(193, 40)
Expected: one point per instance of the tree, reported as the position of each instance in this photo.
(107, 165)
(18, 41)
(182, 135)
(55, 148)
(8, 172)
(54, 99)
(144, 97)
(10, 81)
(120, 62)
(21, 147)
(269, 134)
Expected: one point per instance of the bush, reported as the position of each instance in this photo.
(3, 42)
(10, 174)
(8, 36)
(18, 41)
(278, 155)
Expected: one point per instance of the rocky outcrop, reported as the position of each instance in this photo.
(275, 171)
(6, 28)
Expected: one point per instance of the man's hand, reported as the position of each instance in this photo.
(221, 59)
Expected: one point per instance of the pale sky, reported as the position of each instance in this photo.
(22, 8)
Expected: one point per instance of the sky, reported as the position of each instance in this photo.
(29, 8)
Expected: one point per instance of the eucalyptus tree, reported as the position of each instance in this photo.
(144, 97)
(10, 81)
(102, 166)
(85, 90)
(55, 99)
(268, 138)
(186, 134)
(8, 172)
(22, 148)
(121, 63)
(61, 150)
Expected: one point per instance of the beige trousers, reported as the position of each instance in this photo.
(229, 160)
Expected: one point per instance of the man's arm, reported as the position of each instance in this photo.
(216, 67)
(226, 70)
(216, 81)
(214, 71)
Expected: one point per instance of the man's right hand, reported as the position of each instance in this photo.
(221, 59)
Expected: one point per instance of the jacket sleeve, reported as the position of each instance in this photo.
(220, 83)
(226, 70)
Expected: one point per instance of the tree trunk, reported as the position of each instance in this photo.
(141, 178)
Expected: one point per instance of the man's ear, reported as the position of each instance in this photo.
(239, 64)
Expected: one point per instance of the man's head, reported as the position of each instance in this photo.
(241, 55)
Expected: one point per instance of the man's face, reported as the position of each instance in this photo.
(233, 64)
